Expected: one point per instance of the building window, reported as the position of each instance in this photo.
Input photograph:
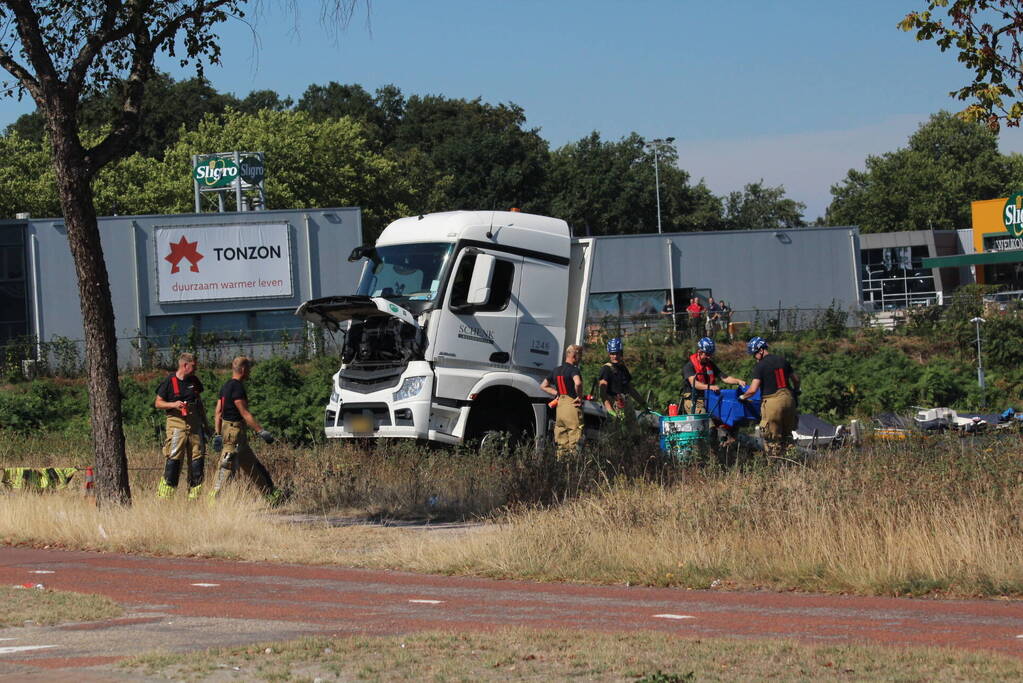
(13, 290)
(241, 327)
(894, 277)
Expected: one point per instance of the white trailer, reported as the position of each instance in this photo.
(457, 318)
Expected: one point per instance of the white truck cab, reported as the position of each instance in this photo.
(457, 319)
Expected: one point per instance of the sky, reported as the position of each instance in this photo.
(791, 92)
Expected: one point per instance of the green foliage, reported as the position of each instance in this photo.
(765, 208)
(930, 183)
(603, 187)
(985, 36)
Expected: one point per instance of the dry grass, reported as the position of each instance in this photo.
(517, 654)
(911, 523)
(890, 518)
(45, 607)
(237, 526)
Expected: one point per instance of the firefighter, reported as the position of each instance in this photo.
(231, 418)
(616, 381)
(180, 396)
(565, 384)
(702, 375)
(779, 386)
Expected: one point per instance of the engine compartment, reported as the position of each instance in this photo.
(383, 339)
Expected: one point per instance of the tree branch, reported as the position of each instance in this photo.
(46, 84)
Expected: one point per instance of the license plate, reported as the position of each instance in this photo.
(360, 424)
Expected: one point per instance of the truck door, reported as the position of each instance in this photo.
(542, 306)
(481, 334)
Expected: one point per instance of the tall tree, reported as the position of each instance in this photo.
(986, 34)
(928, 184)
(475, 155)
(59, 51)
(159, 125)
(605, 187)
(758, 207)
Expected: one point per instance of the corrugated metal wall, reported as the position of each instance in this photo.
(321, 240)
(751, 269)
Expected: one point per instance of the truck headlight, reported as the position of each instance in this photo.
(335, 397)
(409, 388)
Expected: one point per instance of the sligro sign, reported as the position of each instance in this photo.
(1012, 215)
(214, 173)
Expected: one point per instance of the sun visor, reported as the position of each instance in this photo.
(331, 311)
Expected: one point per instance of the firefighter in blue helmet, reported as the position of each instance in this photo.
(616, 381)
(702, 375)
(778, 385)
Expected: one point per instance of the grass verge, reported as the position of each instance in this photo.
(939, 516)
(46, 607)
(237, 526)
(531, 655)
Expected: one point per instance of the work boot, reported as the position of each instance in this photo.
(164, 490)
(169, 482)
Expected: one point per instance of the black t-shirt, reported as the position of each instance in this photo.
(710, 375)
(618, 378)
(774, 373)
(563, 377)
(232, 389)
(172, 389)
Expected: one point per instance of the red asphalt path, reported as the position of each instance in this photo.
(290, 599)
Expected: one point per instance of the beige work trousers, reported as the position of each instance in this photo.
(568, 426)
(184, 438)
(238, 457)
(778, 418)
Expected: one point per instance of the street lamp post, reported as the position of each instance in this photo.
(980, 367)
(655, 145)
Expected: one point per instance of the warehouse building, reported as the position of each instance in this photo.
(240, 276)
(237, 275)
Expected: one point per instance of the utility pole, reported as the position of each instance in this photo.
(980, 366)
(655, 145)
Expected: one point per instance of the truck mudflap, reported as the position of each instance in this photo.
(331, 311)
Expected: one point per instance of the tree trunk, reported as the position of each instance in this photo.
(76, 201)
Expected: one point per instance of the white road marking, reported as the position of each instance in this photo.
(1020, 636)
(8, 638)
(206, 585)
(427, 602)
(42, 571)
(23, 648)
(673, 616)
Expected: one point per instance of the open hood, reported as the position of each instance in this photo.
(331, 311)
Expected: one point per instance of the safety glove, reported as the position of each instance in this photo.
(218, 443)
(266, 436)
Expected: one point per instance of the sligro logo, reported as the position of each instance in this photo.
(1012, 215)
(216, 172)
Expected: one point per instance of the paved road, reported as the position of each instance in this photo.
(182, 604)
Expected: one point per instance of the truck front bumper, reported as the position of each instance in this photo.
(394, 412)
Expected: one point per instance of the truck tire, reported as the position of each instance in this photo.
(500, 418)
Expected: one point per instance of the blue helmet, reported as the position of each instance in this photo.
(707, 346)
(755, 344)
(614, 345)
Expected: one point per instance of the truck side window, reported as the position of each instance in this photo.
(500, 286)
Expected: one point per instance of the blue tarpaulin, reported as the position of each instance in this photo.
(726, 408)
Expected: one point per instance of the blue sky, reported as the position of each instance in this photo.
(795, 92)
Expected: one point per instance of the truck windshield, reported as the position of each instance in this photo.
(406, 272)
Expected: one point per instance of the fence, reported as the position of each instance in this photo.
(28, 357)
(63, 357)
(737, 324)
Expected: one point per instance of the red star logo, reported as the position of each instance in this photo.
(184, 250)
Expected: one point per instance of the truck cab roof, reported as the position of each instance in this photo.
(511, 229)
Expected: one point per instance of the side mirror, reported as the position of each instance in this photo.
(482, 276)
(365, 251)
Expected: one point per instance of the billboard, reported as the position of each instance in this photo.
(221, 262)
